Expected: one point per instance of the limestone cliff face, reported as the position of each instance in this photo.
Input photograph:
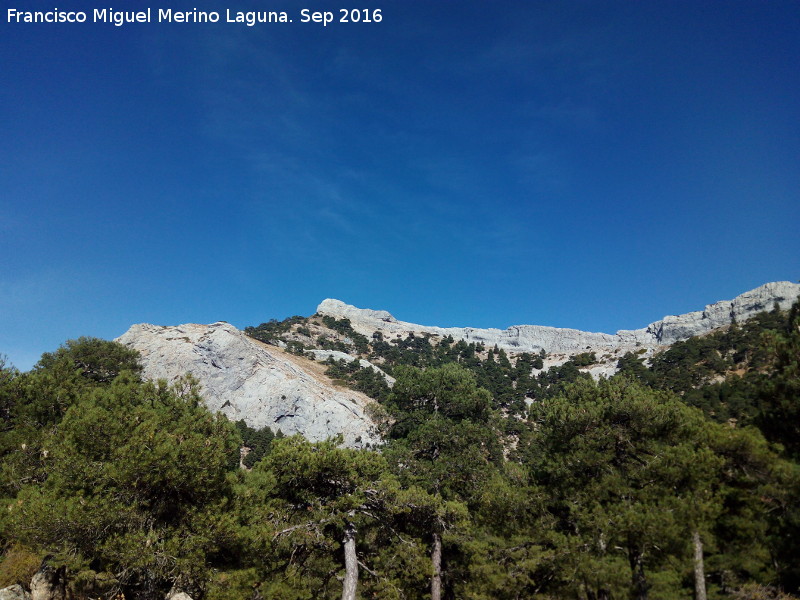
(245, 379)
(554, 340)
(681, 327)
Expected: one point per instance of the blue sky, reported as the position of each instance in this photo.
(594, 165)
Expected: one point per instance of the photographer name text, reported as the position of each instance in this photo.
(119, 18)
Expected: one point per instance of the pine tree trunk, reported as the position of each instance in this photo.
(350, 564)
(699, 569)
(436, 560)
(638, 578)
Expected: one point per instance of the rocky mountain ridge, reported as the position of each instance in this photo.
(266, 385)
(566, 342)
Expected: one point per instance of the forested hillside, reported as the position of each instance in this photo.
(497, 479)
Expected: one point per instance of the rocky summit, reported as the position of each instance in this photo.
(245, 379)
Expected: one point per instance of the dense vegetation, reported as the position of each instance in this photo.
(497, 480)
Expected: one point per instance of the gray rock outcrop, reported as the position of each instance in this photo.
(14, 592)
(555, 340)
(49, 584)
(681, 327)
(245, 379)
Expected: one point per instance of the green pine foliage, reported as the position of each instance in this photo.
(727, 374)
(98, 361)
(256, 442)
(130, 485)
(631, 472)
(343, 326)
(533, 483)
(273, 329)
(366, 380)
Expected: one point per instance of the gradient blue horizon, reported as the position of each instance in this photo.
(593, 165)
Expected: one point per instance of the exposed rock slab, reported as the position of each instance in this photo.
(245, 379)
